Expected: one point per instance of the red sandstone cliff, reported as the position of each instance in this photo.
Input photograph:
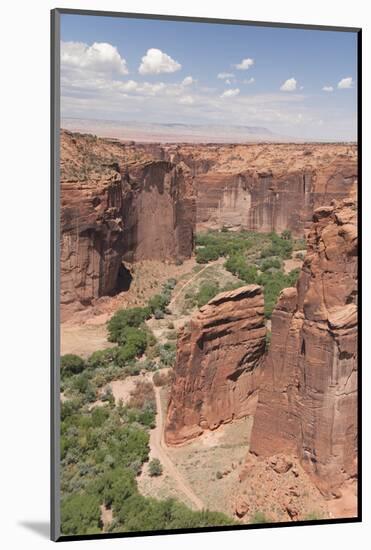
(269, 200)
(91, 238)
(134, 201)
(218, 364)
(307, 402)
(118, 202)
(159, 212)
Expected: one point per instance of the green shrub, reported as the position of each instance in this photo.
(293, 277)
(82, 384)
(102, 358)
(158, 314)
(80, 515)
(167, 353)
(155, 467)
(237, 265)
(169, 285)
(206, 254)
(159, 302)
(206, 292)
(273, 283)
(115, 486)
(139, 513)
(123, 318)
(71, 364)
(102, 450)
(279, 247)
(133, 344)
(270, 263)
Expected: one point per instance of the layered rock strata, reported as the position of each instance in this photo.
(118, 204)
(307, 402)
(217, 368)
(267, 201)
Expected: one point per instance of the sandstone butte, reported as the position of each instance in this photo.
(218, 362)
(307, 404)
(126, 201)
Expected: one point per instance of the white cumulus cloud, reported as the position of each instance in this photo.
(187, 81)
(328, 88)
(231, 93)
(100, 57)
(345, 83)
(222, 76)
(289, 85)
(245, 64)
(156, 62)
(249, 81)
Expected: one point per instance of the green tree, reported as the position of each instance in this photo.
(71, 364)
(123, 318)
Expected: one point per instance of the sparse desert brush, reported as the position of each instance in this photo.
(167, 354)
(141, 394)
(155, 467)
(162, 378)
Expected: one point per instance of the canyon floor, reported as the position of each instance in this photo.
(209, 472)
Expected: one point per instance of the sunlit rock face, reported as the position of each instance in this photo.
(118, 203)
(217, 370)
(307, 402)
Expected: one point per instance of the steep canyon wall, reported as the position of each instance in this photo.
(307, 402)
(217, 370)
(266, 201)
(126, 201)
(118, 203)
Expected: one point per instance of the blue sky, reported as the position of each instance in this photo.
(295, 82)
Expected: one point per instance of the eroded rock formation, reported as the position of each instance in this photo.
(307, 402)
(118, 203)
(91, 239)
(267, 200)
(136, 201)
(218, 364)
(159, 212)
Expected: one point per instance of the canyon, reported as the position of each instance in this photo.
(302, 393)
(118, 206)
(126, 204)
(123, 202)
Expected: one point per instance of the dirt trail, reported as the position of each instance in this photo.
(195, 276)
(158, 448)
